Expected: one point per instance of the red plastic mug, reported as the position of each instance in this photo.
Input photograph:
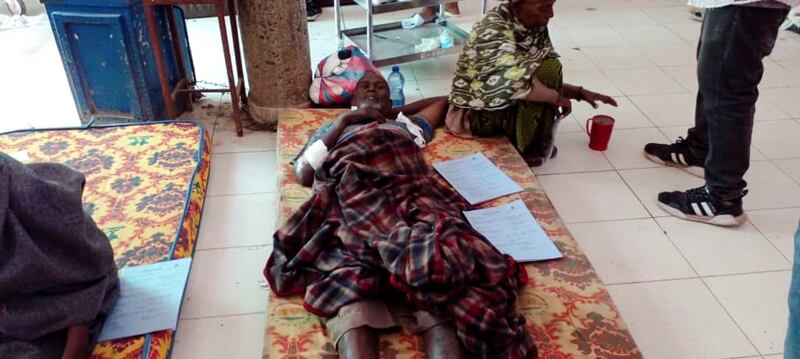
(599, 131)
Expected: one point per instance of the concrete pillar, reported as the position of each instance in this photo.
(276, 52)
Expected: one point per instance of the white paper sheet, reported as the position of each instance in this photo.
(513, 230)
(476, 178)
(21, 156)
(150, 299)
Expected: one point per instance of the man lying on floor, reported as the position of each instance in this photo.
(379, 228)
(58, 279)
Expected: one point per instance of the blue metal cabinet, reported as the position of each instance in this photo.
(105, 49)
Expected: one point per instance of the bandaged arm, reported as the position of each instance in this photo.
(318, 151)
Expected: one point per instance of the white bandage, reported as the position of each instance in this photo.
(315, 154)
(416, 131)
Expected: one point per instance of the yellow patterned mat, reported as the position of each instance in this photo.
(145, 187)
(568, 309)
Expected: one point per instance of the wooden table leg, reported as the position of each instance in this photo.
(155, 44)
(231, 83)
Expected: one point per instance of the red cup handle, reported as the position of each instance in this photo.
(588, 132)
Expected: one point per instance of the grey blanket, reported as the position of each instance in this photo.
(57, 268)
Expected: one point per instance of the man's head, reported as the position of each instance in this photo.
(372, 91)
(533, 14)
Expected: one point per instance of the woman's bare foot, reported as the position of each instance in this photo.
(358, 343)
(441, 342)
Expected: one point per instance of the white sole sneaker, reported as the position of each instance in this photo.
(723, 220)
(696, 171)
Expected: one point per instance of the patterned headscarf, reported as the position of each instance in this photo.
(498, 60)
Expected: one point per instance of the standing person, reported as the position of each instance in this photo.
(313, 11)
(735, 38)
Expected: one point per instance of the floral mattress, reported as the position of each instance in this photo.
(145, 187)
(566, 305)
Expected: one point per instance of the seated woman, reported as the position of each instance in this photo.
(508, 80)
(380, 233)
(58, 279)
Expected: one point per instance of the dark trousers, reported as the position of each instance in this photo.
(733, 44)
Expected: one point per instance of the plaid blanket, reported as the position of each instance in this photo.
(377, 223)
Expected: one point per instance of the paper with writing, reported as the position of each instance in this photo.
(150, 299)
(513, 230)
(476, 178)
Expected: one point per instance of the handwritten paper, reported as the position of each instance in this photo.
(150, 299)
(513, 230)
(476, 178)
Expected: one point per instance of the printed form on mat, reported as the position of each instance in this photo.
(476, 178)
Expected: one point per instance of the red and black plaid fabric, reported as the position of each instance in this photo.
(378, 222)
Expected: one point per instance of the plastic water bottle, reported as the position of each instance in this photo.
(396, 83)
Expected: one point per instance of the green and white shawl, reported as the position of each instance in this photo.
(498, 60)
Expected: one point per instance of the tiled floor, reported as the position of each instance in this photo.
(685, 290)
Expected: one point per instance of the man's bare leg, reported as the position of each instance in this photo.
(359, 343)
(77, 339)
(441, 342)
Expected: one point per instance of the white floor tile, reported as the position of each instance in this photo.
(770, 187)
(432, 88)
(670, 15)
(760, 310)
(584, 36)
(630, 251)
(566, 19)
(785, 99)
(779, 226)
(669, 54)
(569, 124)
(648, 183)
(667, 109)
(627, 145)
(713, 250)
(777, 356)
(238, 221)
(785, 49)
(226, 141)
(242, 173)
(648, 34)
(593, 80)
(679, 319)
(626, 114)
(574, 59)
(440, 68)
(767, 111)
(776, 75)
(649, 81)
(688, 31)
(777, 139)
(226, 282)
(587, 197)
(790, 167)
(574, 155)
(686, 75)
(240, 336)
(617, 57)
(624, 17)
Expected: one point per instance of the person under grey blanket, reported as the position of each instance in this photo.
(58, 278)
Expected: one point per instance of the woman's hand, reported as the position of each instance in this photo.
(563, 106)
(593, 97)
(582, 94)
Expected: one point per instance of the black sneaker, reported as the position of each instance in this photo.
(699, 205)
(675, 155)
(312, 10)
